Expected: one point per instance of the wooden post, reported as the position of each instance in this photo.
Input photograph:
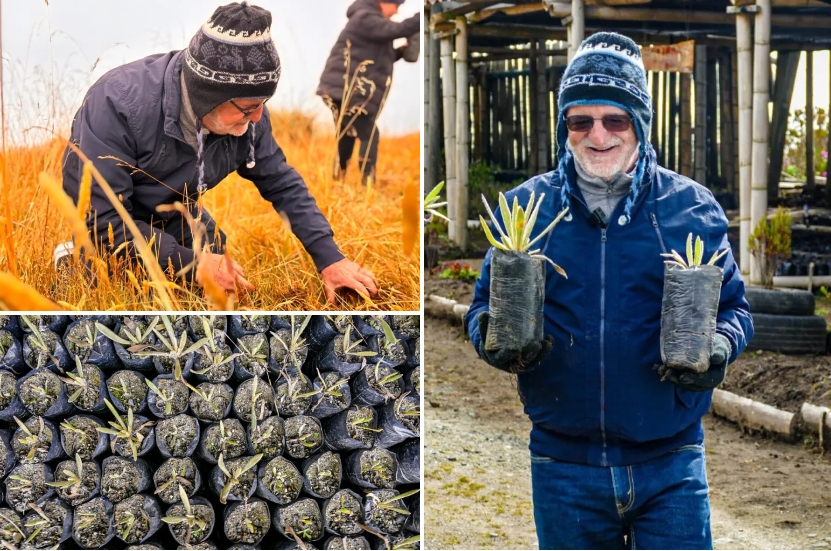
(485, 114)
(786, 65)
(534, 144)
(745, 68)
(656, 119)
(434, 112)
(700, 115)
(712, 122)
(728, 152)
(761, 125)
(448, 82)
(576, 27)
(462, 132)
(685, 142)
(672, 100)
(828, 144)
(425, 154)
(810, 173)
(543, 142)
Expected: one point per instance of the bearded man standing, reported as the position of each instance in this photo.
(617, 455)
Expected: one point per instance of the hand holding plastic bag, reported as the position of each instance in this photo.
(702, 382)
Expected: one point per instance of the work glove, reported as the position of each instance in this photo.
(702, 382)
(510, 360)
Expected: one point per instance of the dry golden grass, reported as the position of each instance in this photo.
(368, 225)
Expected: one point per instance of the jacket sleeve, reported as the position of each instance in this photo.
(481, 299)
(284, 188)
(733, 320)
(375, 27)
(103, 128)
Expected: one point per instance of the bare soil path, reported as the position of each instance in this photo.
(765, 494)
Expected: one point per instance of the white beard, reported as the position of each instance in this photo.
(608, 166)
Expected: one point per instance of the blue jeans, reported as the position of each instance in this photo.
(661, 503)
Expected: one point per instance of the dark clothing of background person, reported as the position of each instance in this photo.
(370, 36)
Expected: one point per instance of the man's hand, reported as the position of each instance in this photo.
(345, 273)
(228, 275)
(512, 361)
(702, 382)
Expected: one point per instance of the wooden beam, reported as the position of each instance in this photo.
(518, 31)
(685, 141)
(656, 120)
(521, 9)
(448, 87)
(700, 75)
(787, 63)
(828, 143)
(543, 141)
(485, 114)
(672, 101)
(728, 152)
(712, 119)
(744, 71)
(462, 133)
(810, 173)
(533, 78)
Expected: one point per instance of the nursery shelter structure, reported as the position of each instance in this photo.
(721, 75)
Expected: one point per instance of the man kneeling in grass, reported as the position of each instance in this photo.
(185, 120)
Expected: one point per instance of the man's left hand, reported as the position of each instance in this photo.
(702, 382)
(345, 273)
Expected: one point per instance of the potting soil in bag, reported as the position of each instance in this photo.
(132, 360)
(239, 326)
(517, 296)
(102, 354)
(55, 357)
(10, 404)
(409, 462)
(11, 353)
(255, 512)
(688, 316)
(398, 421)
(7, 458)
(57, 531)
(352, 429)
(11, 324)
(318, 333)
(147, 513)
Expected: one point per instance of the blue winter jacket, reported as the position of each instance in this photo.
(596, 398)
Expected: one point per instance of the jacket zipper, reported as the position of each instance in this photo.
(658, 231)
(603, 344)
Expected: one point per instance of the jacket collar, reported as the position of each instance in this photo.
(172, 98)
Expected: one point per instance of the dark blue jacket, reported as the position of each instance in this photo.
(596, 399)
(132, 113)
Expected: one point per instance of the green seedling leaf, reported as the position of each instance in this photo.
(111, 334)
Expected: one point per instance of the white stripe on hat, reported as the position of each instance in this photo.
(234, 36)
(610, 49)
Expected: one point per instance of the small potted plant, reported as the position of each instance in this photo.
(239, 326)
(130, 435)
(252, 360)
(211, 402)
(173, 353)
(11, 531)
(43, 393)
(280, 481)
(191, 520)
(376, 384)
(175, 474)
(346, 353)
(224, 437)
(348, 542)
(214, 363)
(26, 484)
(237, 481)
(689, 307)
(42, 348)
(391, 347)
(80, 435)
(86, 387)
(127, 391)
(35, 441)
(77, 481)
(247, 521)
(266, 437)
(343, 513)
(398, 420)
(137, 518)
(10, 404)
(93, 523)
(384, 510)
(289, 349)
(166, 397)
(177, 436)
(132, 336)
(409, 461)
(374, 469)
(254, 400)
(11, 353)
(122, 477)
(47, 524)
(355, 428)
(333, 394)
(517, 282)
(301, 518)
(7, 457)
(322, 474)
(212, 326)
(294, 393)
(304, 436)
(83, 341)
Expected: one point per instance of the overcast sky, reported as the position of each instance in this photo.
(90, 37)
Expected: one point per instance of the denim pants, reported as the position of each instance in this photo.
(662, 503)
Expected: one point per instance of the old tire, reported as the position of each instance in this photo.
(788, 334)
(782, 302)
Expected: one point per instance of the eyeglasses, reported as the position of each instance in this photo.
(612, 123)
(247, 112)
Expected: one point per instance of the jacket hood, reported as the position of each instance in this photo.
(362, 5)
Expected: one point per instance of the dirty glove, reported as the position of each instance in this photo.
(512, 361)
(702, 382)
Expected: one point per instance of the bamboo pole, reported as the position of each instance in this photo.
(543, 141)
(576, 27)
(448, 81)
(462, 133)
(745, 67)
(700, 76)
(810, 175)
(761, 95)
(686, 126)
(433, 112)
(728, 152)
(533, 78)
(428, 75)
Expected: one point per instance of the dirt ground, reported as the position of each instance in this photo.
(765, 494)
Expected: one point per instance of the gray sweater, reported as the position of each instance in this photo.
(601, 194)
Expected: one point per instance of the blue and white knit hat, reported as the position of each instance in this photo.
(607, 69)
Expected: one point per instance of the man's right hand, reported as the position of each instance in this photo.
(512, 361)
(228, 275)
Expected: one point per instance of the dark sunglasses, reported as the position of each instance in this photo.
(612, 123)
(247, 112)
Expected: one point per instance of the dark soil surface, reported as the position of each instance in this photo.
(383, 519)
(132, 521)
(40, 441)
(232, 445)
(304, 436)
(8, 388)
(77, 493)
(282, 479)
(765, 494)
(343, 513)
(268, 437)
(83, 442)
(177, 395)
(177, 433)
(50, 532)
(303, 516)
(377, 467)
(293, 394)
(202, 512)
(120, 479)
(40, 392)
(184, 471)
(263, 404)
(19, 493)
(219, 396)
(323, 474)
(90, 392)
(91, 524)
(257, 346)
(256, 513)
(361, 424)
(129, 388)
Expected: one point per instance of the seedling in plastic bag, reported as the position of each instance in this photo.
(293, 352)
(694, 254)
(233, 476)
(38, 342)
(174, 348)
(195, 526)
(123, 428)
(432, 203)
(519, 224)
(131, 334)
